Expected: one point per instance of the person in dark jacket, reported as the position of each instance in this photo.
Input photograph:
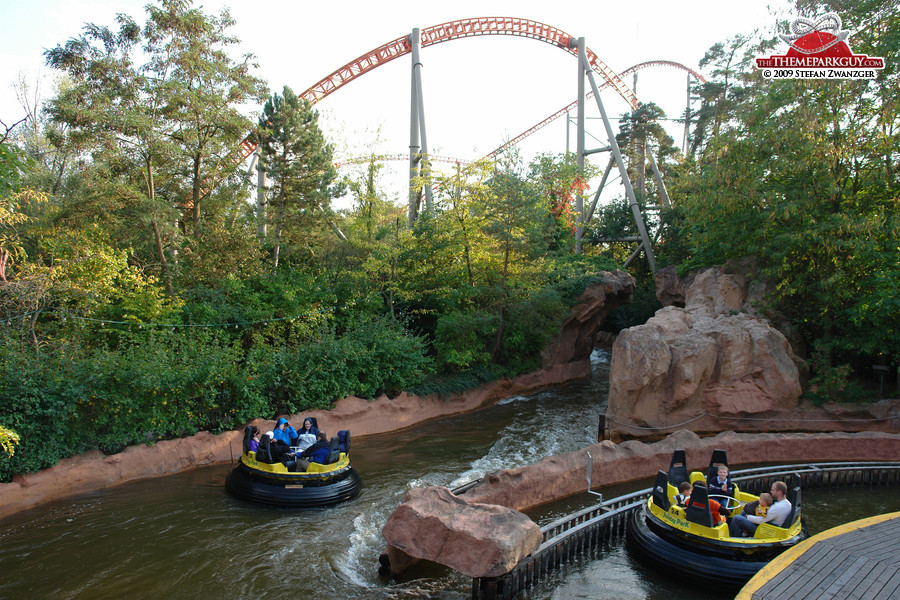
(306, 437)
(721, 485)
(274, 451)
(319, 451)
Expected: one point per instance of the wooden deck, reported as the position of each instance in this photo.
(856, 561)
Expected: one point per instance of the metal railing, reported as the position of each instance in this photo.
(585, 533)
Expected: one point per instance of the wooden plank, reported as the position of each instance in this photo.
(838, 587)
(860, 590)
(876, 586)
(871, 542)
(825, 575)
(891, 589)
(811, 571)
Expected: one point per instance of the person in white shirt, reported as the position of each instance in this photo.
(745, 525)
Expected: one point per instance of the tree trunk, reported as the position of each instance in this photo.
(164, 266)
(499, 339)
(278, 227)
(642, 170)
(4, 259)
(160, 251)
(195, 196)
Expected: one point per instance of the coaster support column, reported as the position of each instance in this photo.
(617, 155)
(418, 150)
(579, 152)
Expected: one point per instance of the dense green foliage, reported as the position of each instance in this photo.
(143, 297)
(140, 307)
(803, 176)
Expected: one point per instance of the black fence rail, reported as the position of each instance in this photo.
(583, 535)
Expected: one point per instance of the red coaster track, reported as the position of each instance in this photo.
(446, 32)
(455, 30)
(436, 34)
(602, 85)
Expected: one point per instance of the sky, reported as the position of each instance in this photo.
(478, 92)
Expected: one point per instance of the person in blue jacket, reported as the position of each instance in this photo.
(318, 452)
(284, 432)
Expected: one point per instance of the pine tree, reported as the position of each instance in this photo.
(297, 158)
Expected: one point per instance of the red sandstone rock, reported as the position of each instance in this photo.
(699, 364)
(557, 477)
(478, 540)
(578, 335)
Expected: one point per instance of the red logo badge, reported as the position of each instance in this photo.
(819, 50)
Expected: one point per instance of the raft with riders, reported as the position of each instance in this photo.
(296, 469)
(702, 526)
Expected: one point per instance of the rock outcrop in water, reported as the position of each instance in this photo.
(714, 364)
(478, 540)
(578, 335)
(563, 475)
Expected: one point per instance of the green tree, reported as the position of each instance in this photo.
(118, 107)
(8, 441)
(557, 182)
(204, 87)
(801, 176)
(640, 133)
(156, 107)
(509, 209)
(296, 156)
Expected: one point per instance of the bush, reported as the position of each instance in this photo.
(374, 357)
(66, 400)
(463, 340)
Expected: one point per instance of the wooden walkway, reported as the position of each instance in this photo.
(856, 561)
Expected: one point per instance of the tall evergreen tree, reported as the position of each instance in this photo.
(297, 158)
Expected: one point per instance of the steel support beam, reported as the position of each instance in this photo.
(617, 155)
(600, 187)
(419, 170)
(687, 119)
(414, 145)
(663, 192)
(579, 198)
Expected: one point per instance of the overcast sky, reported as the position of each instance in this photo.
(478, 91)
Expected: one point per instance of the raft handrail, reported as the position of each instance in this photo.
(569, 536)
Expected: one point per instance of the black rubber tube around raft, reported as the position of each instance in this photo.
(243, 483)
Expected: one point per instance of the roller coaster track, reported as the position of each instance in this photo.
(445, 32)
(566, 109)
(358, 160)
(538, 126)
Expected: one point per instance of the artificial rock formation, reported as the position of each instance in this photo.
(419, 528)
(578, 335)
(709, 366)
(563, 475)
(478, 540)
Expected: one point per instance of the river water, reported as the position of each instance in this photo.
(182, 536)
